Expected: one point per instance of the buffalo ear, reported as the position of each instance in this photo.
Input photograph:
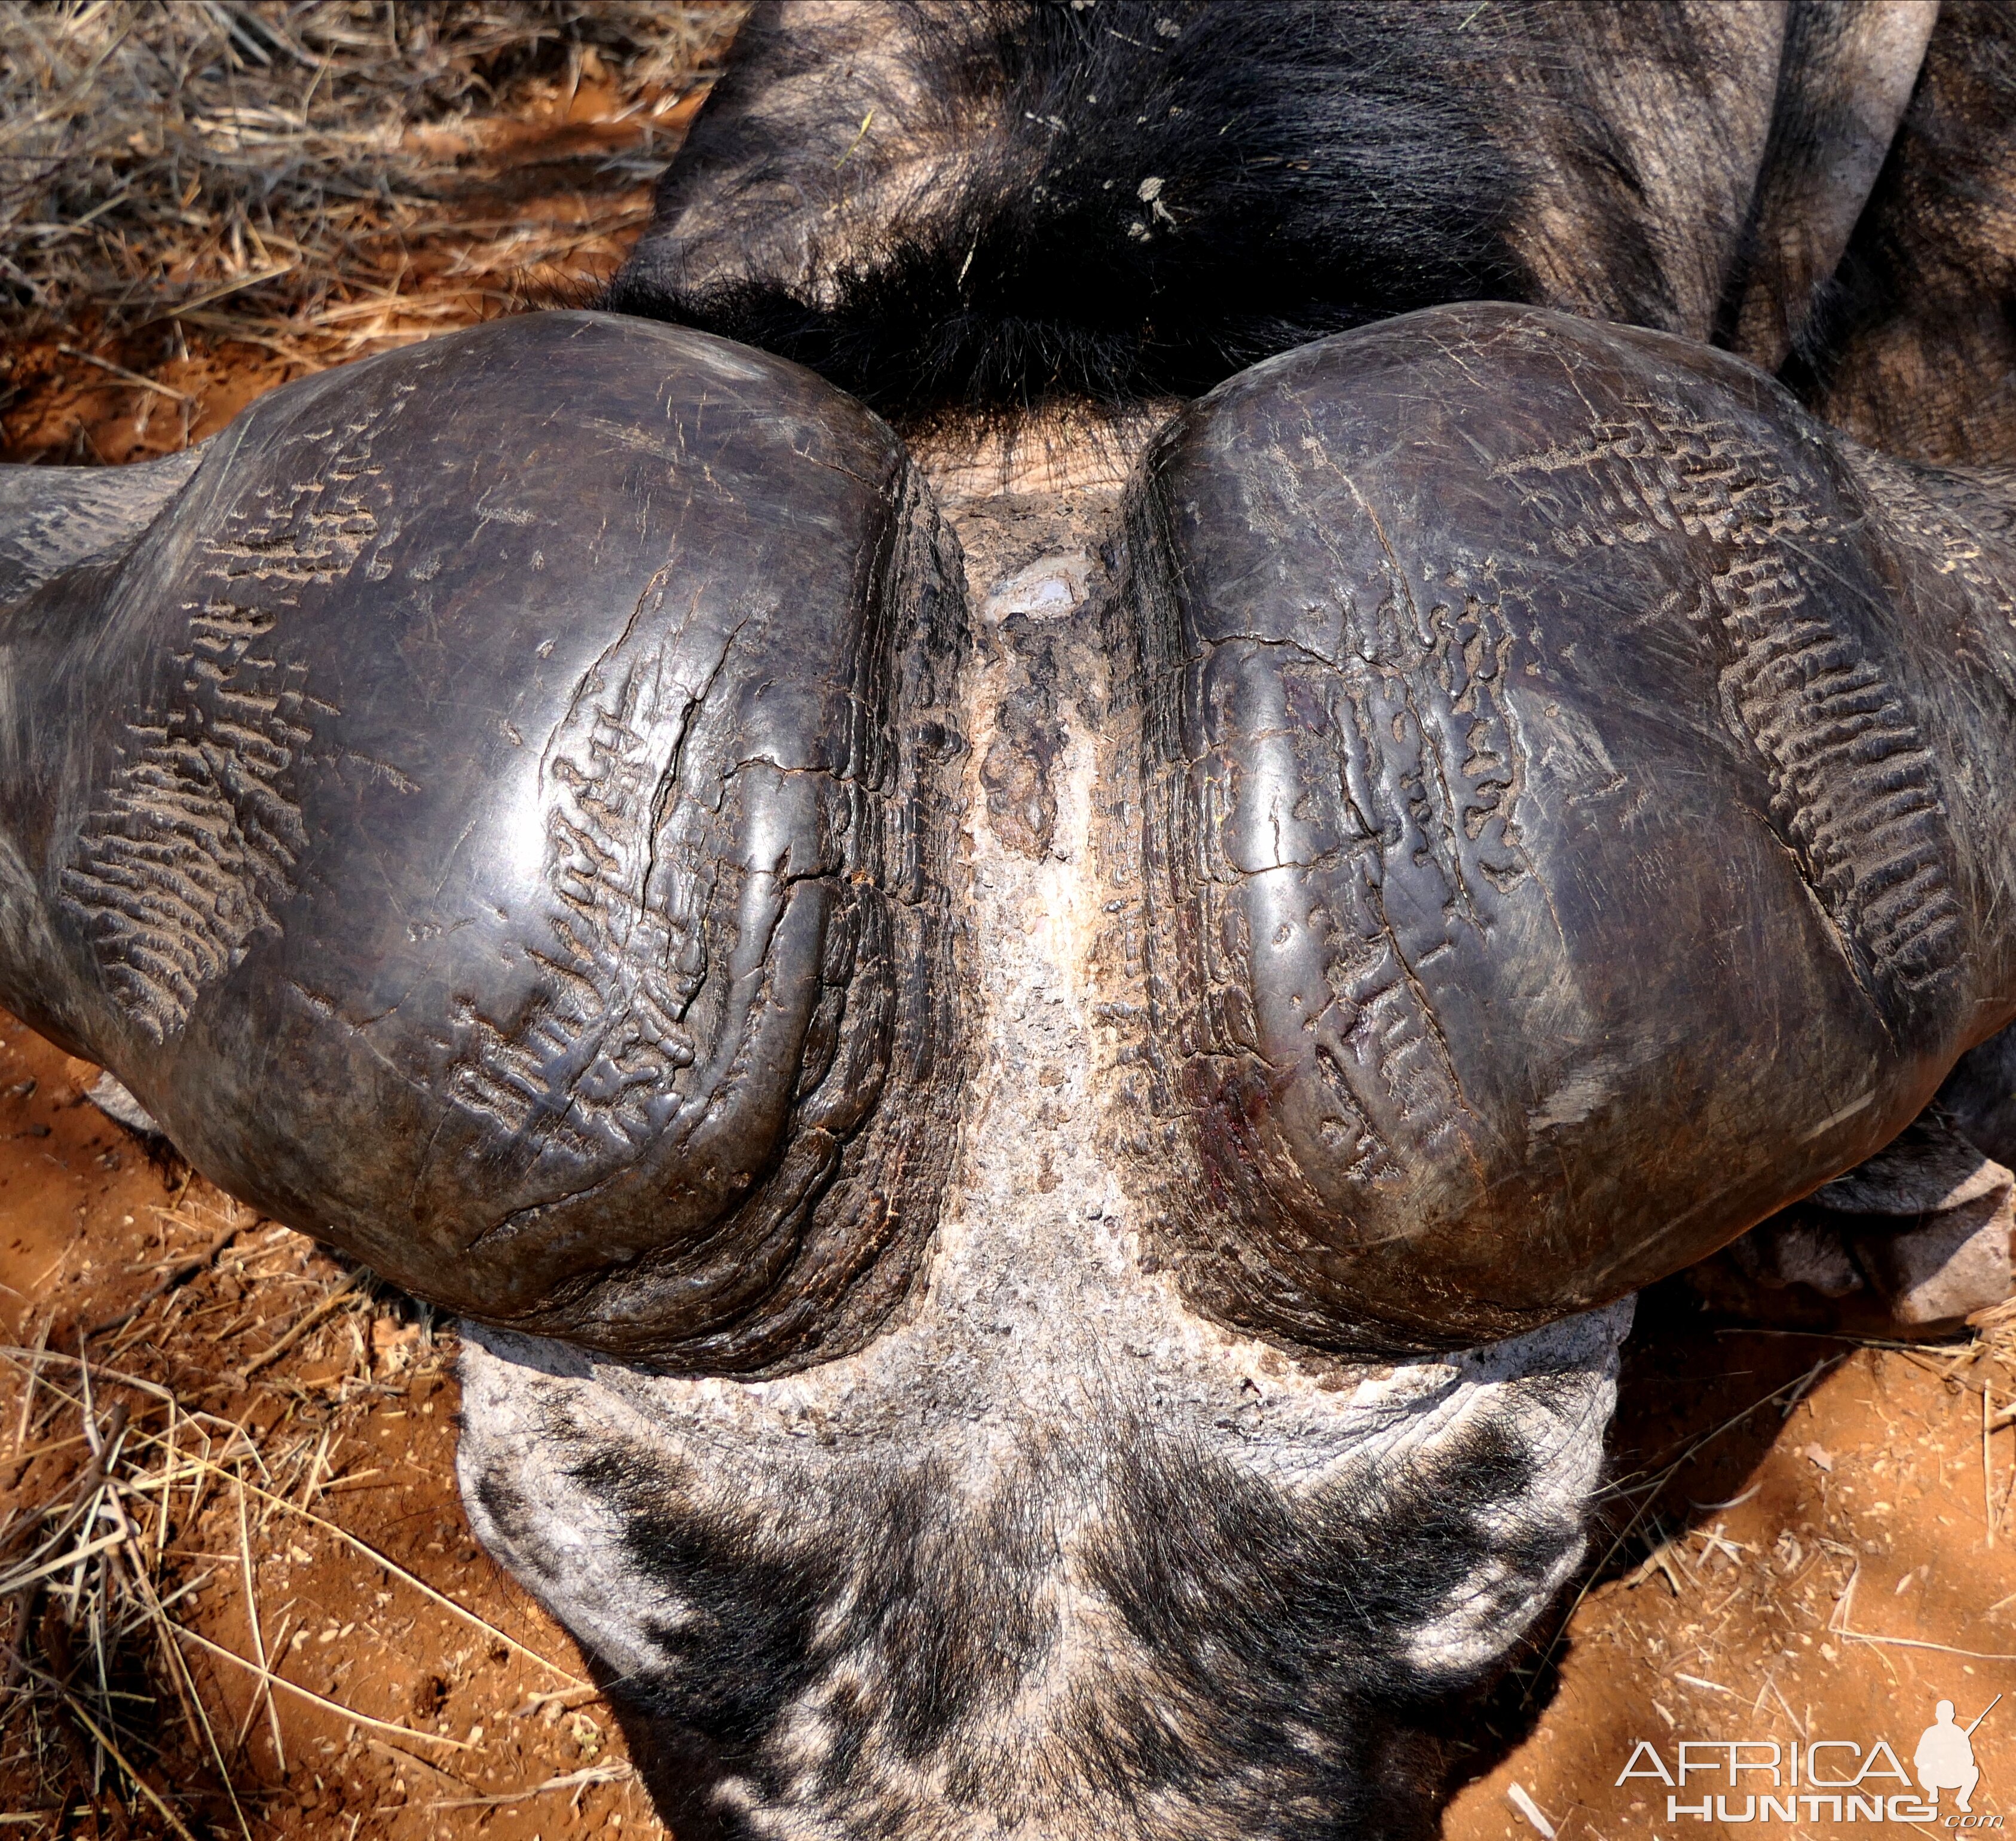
(1912, 346)
(1845, 78)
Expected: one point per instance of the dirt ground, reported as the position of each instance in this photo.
(1814, 1543)
(1805, 1539)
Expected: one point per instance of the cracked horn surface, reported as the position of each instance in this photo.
(1576, 815)
(495, 822)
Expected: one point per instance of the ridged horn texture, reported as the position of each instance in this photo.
(1577, 815)
(494, 821)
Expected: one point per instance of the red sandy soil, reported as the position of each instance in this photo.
(1831, 1600)
(538, 219)
(365, 1404)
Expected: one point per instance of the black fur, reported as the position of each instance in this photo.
(1320, 162)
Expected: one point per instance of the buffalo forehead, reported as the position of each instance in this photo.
(1497, 684)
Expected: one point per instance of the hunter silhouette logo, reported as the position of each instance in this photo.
(1835, 1780)
(1945, 1756)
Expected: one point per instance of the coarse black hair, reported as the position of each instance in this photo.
(1116, 200)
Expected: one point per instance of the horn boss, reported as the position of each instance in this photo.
(1573, 819)
(489, 810)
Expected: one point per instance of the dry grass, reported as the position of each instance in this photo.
(105, 1466)
(153, 154)
(316, 179)
(143, 1519)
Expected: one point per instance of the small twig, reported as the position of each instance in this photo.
(314, 1482)
(1987, 1465)
(1734, 1502)
(343, 1534)
(1798, 1724)
(179, 1672)
(568, 1698)
(1889, 1342)
(1516, 1795)
(419, 1585)
(240, 332)
(1805, 1381)
(84, 1490)
(1658, 1560)
(401, 1757)
(228, 287)
(179, 1274)
(1855, 1636)
(258, 1636)
(18, 1582)
(303, 1324)
(574, 1780)
(1837, 1625)
(34, 1375)
(308, 1694)
(22, 1604)
(265, 1693)
(9, 1353)
(125, 376)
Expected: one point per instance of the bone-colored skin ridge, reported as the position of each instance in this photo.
(1054, 1555)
